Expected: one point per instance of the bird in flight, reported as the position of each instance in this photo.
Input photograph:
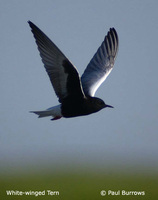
(75, 93)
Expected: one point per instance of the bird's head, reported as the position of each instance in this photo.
(98, 104)
(101, 104)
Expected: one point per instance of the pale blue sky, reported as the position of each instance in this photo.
(125, 135)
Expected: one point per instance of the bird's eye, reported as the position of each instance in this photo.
(101, 102)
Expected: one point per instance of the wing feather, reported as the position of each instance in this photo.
(101, 64)
(62, 73)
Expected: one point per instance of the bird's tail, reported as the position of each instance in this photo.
(53, 111)
(41, 114)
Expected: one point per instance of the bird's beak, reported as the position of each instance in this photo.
(109, 106)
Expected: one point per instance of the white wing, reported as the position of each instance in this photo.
(62, 73)
(101, 64)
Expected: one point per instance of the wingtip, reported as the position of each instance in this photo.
(29, 22)
(32, 25)
(112, 39)
(113, 30)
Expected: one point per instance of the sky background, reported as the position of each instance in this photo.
(126, 136)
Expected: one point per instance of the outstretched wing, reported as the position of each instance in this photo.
(62, 73)
(101, 64)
